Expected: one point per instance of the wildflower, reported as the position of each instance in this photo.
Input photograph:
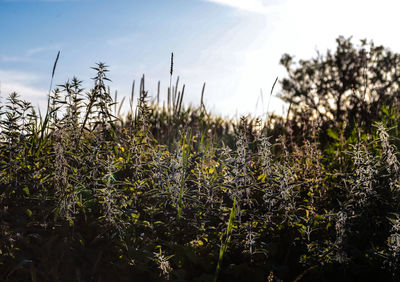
(340, 227)
(389, 156)
(394, 244)
(163, 263)
(362, 187)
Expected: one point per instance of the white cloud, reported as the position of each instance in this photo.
(22, 83)
(256, 6)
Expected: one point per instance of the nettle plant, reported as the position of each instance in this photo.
(172, 193)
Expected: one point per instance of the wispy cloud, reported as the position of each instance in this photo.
(19, 76)
(256, 6)
(29, 54)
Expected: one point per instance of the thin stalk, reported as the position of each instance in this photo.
(47, 117)
(185, 155)
(224, 245)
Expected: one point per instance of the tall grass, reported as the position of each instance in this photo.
(174, 193)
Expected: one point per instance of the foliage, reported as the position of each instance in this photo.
(350, 84)
(172, 193)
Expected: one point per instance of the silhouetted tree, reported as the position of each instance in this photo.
(349, 84)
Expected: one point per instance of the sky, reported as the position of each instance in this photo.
(232, 45)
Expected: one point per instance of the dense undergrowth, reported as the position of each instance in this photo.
(173, 193)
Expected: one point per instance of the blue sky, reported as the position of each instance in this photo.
(232, 45)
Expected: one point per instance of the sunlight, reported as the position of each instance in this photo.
(257, 6)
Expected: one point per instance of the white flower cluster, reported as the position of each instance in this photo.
(340, 227)
(389, 156)
(163, 264)
(362, 187)
(394, 244)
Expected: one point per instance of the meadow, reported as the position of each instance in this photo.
(173, 193)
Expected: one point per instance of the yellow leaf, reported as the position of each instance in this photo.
(262, 177)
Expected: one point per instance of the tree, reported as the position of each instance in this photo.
(350, 84)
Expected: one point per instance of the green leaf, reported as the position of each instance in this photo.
(333, 134)
(26, 190)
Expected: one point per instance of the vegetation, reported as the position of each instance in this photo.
(173, 193)
(348, 85)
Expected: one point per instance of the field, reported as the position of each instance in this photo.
(175, 193)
